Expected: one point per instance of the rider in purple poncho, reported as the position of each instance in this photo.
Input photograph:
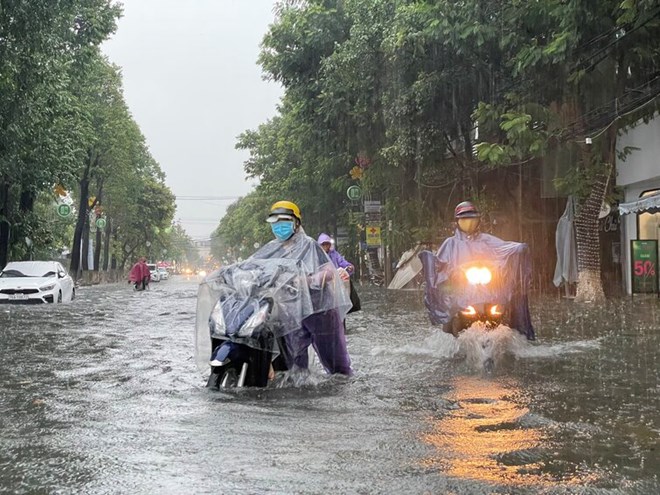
(326, 242)
(469, 244)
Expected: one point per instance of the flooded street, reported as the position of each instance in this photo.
(103, 396)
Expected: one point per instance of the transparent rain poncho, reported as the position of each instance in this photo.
(511, 266)
(296, 275)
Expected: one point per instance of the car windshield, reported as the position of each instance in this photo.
(28, 271)
(12, 274)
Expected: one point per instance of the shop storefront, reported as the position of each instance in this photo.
(639, 176)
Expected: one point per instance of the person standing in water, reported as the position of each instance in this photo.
(140, 275)
(323, 329)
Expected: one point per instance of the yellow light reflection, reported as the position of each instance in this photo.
(470, 439)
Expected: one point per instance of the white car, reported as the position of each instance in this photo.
(35, 282)
(164, 274)
(153, 270)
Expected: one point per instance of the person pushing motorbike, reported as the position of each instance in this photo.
(323, 329)
(468, 245)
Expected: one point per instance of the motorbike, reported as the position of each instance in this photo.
(232, 324)
(481, 298)
(255, 302)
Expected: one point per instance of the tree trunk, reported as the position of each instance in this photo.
(85, 245)
(80, 223)
(106, 245)
(4, 224)
(99, 233)
(590, 285)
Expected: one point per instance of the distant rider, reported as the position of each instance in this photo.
(140, 275)
(328, 245)
(325, 241)
(323, 329)
(469, 243)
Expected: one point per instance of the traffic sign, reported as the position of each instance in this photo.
(101, 223)
(64, 210)
(354, 193)
(372, 206)
(373, 235)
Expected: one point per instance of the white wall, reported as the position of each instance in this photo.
(644, 163)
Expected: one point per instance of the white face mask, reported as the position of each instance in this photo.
(469, 225)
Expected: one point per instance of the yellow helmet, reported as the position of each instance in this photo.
(284, 208)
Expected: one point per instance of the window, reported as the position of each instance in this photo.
(649, 223)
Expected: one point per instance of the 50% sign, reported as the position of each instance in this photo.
(644, 268)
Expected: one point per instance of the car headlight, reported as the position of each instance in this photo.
(46, 288)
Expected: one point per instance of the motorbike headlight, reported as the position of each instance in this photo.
(46, 288)
(469, 311)
(254, 322)
(478, 275)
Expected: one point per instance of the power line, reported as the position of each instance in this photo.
(207, 198)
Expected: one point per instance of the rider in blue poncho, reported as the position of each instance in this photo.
(467, 245)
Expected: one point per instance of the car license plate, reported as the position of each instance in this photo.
(18, 296)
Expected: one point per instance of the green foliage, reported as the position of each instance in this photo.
(432, 93)
(63, 120)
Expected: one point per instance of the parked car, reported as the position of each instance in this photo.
(155, 274)
(164, 274)
(33, 282)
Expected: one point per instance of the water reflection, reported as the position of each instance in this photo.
(483, 437)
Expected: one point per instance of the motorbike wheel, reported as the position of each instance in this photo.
(229, 379)
(454, 327)
(222, 377)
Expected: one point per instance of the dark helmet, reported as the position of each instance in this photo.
(466, 209)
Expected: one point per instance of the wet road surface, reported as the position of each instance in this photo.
(103, 396)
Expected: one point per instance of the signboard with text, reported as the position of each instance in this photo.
(644, 266)
(373, 236)
(372, 206)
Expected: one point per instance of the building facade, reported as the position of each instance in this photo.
(639, 177)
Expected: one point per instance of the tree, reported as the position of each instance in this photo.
(578, 73)
(41, 126)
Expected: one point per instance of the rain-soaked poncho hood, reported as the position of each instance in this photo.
(508, 261)
(324, 238)
(296, 275)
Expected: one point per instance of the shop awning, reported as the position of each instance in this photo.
(649, 204)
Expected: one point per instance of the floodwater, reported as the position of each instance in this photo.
(103, 396)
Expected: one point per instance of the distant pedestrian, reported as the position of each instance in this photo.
(140, 275)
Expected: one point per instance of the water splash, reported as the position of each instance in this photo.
(483, 347)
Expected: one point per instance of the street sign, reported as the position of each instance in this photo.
(372, 206)
(354, 193)
(101, 223)
(373, 236)
(64, 210)
(372, 217)
(644, 266)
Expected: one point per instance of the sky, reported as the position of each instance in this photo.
(192, 83)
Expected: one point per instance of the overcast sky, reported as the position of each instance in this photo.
(192, 82)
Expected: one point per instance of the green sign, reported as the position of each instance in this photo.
(644, 266)
(64, 210)
(100, 223)
(354, 193)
